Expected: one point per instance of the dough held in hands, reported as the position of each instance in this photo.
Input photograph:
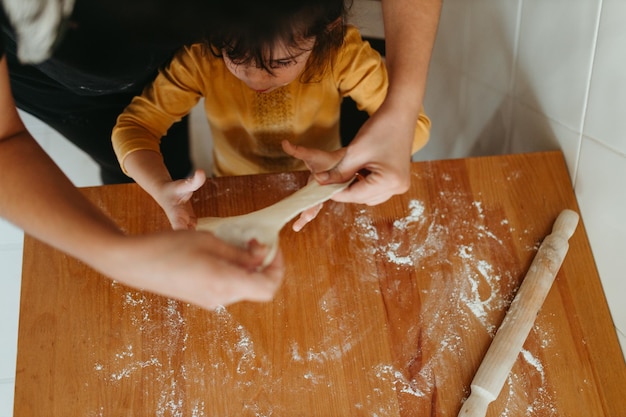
(265, 225)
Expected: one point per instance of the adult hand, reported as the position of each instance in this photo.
(381, 152)
(195, 267)
(190, 266)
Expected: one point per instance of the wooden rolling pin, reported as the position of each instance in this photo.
(519, 319)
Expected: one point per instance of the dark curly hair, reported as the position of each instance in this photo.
(249, 29)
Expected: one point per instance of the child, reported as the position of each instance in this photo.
(279, 76)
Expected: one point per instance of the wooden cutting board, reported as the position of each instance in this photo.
(384, 311)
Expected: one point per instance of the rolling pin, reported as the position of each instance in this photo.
(519, 319)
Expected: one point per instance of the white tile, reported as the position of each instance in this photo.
(622, 340)
(443, 104)
(75, 163)
(602, 197)
(486, 121)
(35, 126)
(11, 264)
(200, 139)
(9, 234)
(468, 118)
(7, 389)
(557, 40)
(367, 15)
(492, 37)
(606, 111)
(451, 41)
(532, 131)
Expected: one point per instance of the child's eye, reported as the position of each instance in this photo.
(281, 63)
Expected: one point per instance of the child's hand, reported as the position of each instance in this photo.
(174, 198)
(306, 216)
(315, 161)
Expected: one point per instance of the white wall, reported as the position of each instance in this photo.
(512, 76)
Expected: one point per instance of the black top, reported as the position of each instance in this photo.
(106, 52)
(108, 48)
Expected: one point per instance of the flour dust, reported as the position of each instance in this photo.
(471, 289)
(474, 287)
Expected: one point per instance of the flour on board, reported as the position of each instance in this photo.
(475, 287)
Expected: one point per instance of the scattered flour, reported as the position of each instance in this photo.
(400, 382)
(474, 290)
(526, 398)
(534, 362)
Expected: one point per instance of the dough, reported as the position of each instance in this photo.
(265, 225)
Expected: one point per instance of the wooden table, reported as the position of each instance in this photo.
(384, 311)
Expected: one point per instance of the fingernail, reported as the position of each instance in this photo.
(322, 176)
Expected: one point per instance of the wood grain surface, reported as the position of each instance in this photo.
(384, 311)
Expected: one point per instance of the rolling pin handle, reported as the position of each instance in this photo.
(565, 224)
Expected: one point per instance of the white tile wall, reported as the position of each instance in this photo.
(490, 49)
(506, 76)
(11, 263)
(531, 130)
(559, 67)
(556, 48)
(601, 191)
(607, 96)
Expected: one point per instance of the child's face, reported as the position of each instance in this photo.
(286, 67)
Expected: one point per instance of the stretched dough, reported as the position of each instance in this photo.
(265, 225)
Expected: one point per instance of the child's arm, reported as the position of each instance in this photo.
(138, 131)
(148, 170)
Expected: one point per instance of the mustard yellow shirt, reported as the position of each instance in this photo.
(248, 127)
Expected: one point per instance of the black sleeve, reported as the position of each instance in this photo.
(3, 26)
(1, 44)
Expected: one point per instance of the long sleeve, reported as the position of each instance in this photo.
(248, 127)
(172, 95)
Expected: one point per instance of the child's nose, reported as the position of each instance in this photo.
(258, 78)
(257, 74)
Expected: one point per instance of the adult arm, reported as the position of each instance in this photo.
(190, 266)
(382, 146)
